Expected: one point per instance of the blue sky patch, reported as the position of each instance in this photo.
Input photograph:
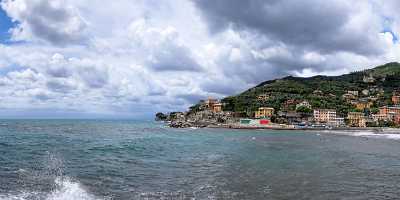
(5, 25)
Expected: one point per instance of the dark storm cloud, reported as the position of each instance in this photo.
(312, 24)
(173, 58)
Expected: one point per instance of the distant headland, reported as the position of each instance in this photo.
(368, 99)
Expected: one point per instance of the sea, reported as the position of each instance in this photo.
(123, 159)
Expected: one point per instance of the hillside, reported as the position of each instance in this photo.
(320, 91)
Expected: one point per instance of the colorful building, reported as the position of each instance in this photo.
(209, 103)
(324, 115)
(264, 112)
(389, 110)
(356, 119)
(263, 97)
(217, 107)
(396, 99)
(363, 105)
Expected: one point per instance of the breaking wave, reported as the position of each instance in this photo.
(61, 187)
(66, 189)
(369, 134)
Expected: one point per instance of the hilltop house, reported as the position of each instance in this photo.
(303, 104)
(363, 104)
(368, 79)
(217, 107)
(263, 97)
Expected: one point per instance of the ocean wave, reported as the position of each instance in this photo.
(61, 187)
(66, 189)
(368, 134)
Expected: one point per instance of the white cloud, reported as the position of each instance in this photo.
(50, 21)
(128, 56)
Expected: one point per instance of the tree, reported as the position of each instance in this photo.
(303, 109)
(161, 117)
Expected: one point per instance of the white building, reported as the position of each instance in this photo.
(303, 104)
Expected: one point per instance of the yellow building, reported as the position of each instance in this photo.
(363, 105)
(263, 97)
(264, 112)
(356, 119)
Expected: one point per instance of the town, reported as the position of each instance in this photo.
(368, 99)
(293, 114)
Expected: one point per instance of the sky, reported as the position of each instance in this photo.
(132, 58)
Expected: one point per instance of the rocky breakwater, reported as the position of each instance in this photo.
(199, 119)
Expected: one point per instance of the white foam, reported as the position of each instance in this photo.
(368, 134)
(66, 189)
(69, 190)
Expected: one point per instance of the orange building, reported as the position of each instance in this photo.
(209, 103)
(385, 110)
(217, 107)
(264, 112)
(396, 99)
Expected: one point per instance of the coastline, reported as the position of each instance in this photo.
(377, 129)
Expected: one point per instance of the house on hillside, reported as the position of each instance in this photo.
(264, 112)
(303, 104)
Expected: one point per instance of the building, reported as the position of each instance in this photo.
(264, 112)
(391, 112)
(368, 79)
(263, 97)
(355, 93)
(361, 105)
(290, 104)
(397, 119)
(324, 115)
(379, 117)
(365, 92)
(209, 103)
(303, 104)
(356, 119)
(337, 122)
(217, 107)
(396, 99)
(318, 92)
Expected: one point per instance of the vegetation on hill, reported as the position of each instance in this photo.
(320, 91)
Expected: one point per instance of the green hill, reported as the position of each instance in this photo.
(320, 91)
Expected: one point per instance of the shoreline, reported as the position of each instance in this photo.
(375, 130)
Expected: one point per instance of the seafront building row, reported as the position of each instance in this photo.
(317, 117)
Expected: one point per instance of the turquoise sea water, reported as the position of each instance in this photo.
(99, 159)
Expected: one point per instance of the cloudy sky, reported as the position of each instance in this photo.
(131, 58)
